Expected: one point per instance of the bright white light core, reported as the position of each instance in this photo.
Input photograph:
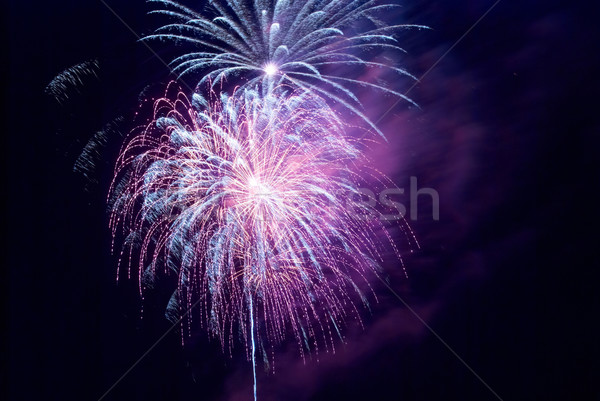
(270, 69)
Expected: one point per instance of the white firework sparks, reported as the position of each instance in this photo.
(301, 43)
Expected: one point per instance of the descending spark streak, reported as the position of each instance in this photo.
(253, 344)
(285, 42)
(243, 198)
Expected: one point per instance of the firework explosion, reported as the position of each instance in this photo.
(243, 193)
(244, 198)
(290, 42)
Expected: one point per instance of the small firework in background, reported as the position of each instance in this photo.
(67, 84)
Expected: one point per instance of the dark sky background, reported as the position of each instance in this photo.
(507, 134)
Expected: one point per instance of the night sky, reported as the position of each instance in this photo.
(507, 133)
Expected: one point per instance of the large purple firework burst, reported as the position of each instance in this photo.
(246, 199)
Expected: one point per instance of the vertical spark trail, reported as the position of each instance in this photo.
(253, 344)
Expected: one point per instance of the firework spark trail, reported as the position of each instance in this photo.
(253, 345)
(273, 42)
(242, 197)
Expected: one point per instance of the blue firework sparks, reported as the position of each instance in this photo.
(300, 43)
